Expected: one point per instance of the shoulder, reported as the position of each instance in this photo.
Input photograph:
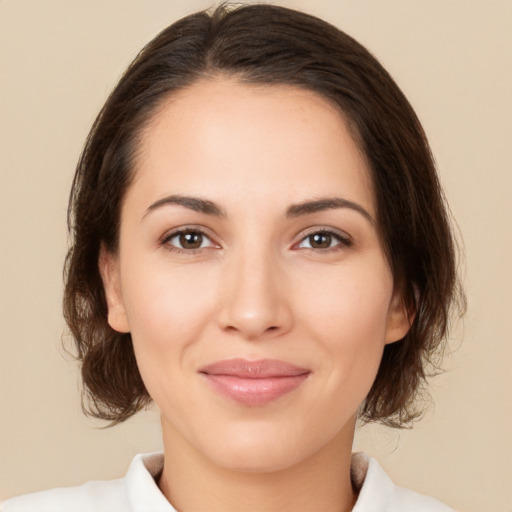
(133, 493)
(377, 493)
(104, 495)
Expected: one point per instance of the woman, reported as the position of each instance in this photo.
(260, 245)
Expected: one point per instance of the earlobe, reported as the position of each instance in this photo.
(400, 318)
(108, 265)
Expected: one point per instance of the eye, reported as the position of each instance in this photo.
(188, 240)
(324, 240)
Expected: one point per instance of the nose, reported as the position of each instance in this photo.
(254, 302)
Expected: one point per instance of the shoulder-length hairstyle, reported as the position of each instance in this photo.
(264, 44)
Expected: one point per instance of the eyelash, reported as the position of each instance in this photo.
(343, 241)
(165, 241)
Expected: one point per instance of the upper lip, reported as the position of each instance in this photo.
(261, 369)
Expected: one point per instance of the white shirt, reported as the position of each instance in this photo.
(138, 492)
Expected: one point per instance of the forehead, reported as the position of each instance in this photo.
(221, 136)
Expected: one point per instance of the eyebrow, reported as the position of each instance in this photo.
(328, 203)
(296, 210)
(192, 203)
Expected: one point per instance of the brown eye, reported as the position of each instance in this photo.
(188, 240)
(320, 240)
(191, 240)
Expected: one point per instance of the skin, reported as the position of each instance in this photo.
(258, 287)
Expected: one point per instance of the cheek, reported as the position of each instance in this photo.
(348, 319)
(352, 307)
(166, 312)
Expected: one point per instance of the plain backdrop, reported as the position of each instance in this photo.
(59, 60)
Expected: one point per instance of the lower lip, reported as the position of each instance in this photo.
(255, 391)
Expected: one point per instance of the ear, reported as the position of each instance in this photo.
(108, 265)
(400, 317)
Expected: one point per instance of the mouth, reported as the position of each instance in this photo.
(254, 383)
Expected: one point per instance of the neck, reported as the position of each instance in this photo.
(321, 482)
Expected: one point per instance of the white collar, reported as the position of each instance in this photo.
(377, 493)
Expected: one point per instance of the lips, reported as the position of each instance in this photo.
(254, 383)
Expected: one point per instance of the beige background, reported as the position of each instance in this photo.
(58, 61)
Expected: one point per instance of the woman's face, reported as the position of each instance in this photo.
(251, 276)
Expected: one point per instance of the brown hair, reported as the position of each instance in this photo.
(266, 45)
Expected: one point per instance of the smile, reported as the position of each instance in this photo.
(254, 383)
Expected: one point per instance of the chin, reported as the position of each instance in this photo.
(258, 460)
(256, 451)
